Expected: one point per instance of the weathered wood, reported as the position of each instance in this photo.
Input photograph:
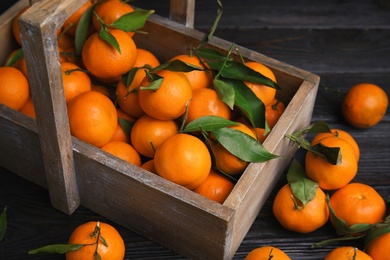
(183, 11)
(174, 217)
(38, 26)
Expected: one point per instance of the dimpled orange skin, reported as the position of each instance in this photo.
(347, 253)
(104, 61)
(314, 215)
(183, 159)
(379, 248)
(14, 88)
(267, 253)
(327, 175)
(364, 105)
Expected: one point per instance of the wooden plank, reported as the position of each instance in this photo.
(38, 26)
(183, 11)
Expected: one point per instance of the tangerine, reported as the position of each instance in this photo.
(364, 105)
(216, 187)
(104, 61)
(347, 253)
(332, 176)
(169, 100)
(148, 133)
(379, 248)
(183, 159)
(123, 151)
(92, 118)
(205, 102)
(294, 216)
(92, 234)
(267, 253)
(264, 93)
(14, 88)
(74, 80)
(109, 12)
(358, 203)
(197, 78)
(273, 112)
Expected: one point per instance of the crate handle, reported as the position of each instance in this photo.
(183, 11)
(38, 26)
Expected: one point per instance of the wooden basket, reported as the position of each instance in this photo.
(76, 173)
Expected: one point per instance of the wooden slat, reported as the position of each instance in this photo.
(183, 11)
(38, 26)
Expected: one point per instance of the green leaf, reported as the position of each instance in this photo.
(128, 78)
(212, 55)
(126, 125)
(330, 154)
(155, 83)
(225, 92)
(83, 29)
(108, 37)
(302, 187)
(15, 57)
(3, 223)
(208, 123)
(210, 33)
(177, 65)
(341, 226)
(56, 248)
(239, 71)
(132, 21)
(242, 145)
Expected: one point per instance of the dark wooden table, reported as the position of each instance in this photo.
(345, 42)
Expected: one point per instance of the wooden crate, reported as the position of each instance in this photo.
(76, 173)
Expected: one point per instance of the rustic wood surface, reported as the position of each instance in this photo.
(344, 42)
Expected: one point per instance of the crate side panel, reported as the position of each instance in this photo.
(19, 146)
(262, 177)
(150, 206)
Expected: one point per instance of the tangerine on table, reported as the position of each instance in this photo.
(74, 80)
(205, 102)
(148, 133)
(340, 134)
(347, 253)
(216, 187)
(14, 88)
(267, 253)
(225, 160)
(379, 248)
(109, 12)
(183, 159)
(104, 61)
(358, 203)
(123, 151)
(197, 78)
(112, 249)
(93, 118)
(264, 93)
(364, 105)
(170, 99)
(295, 216)
(330, 176)
(127, 97)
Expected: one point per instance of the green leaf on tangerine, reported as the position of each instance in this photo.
(212, 55)
(108, 37)
(132, 21)
(302, 187)
(239, 71)
(14, 58)
(155, 83)
(126, 125)
(177, 65)
(82, 29)
(3, 223)
(242, 145)
(56, 248)
(376, 231)
(208, 123)
(225, 92)
(341, 226)
(331, 154)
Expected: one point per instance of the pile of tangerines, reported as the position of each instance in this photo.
(195, 121)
